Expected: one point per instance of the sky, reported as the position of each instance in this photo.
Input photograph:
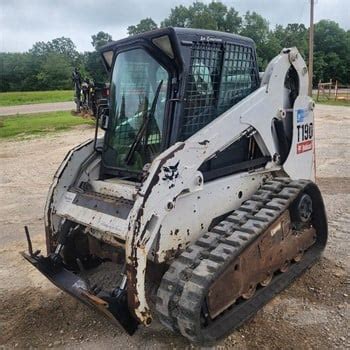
(24, 22)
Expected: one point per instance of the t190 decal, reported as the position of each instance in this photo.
(305, 134)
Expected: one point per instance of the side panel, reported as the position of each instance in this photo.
(300, 161)
(63, 179)
(194, 212)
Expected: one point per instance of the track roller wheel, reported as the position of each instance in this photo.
(298, 257)
(266, 281)
(285, 266)
(250, 292)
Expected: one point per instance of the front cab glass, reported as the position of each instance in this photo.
(137, 105)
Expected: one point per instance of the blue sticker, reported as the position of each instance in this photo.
(300, 115)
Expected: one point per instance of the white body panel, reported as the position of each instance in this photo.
(300, 162)
(64, 177)
(91, 218)
(193, 212)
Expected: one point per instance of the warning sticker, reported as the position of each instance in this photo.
(304, 146)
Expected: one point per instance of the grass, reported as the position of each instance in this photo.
(332, 102)
(29, 97)
(36, 124)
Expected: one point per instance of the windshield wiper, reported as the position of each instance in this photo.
(143, 126)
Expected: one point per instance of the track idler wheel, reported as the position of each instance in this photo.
(301, 210)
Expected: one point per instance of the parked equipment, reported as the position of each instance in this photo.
(88, 95)
(199, 204)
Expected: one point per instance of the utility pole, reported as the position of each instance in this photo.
(311, 46)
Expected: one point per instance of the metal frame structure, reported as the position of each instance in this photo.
(157, 215)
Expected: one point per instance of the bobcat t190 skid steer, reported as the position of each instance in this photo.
(198, 205)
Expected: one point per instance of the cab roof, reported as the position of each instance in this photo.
(181, 35)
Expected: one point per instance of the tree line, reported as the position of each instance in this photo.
(49, 65)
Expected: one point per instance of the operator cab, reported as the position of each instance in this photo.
(167, 84)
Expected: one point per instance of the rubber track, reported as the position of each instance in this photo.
(184, 286)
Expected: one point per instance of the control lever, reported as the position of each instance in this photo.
(29, 241)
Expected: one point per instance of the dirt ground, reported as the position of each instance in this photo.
(313, 313)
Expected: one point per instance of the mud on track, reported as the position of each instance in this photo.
(313, 313)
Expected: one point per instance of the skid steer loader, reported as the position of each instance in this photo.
(198, 204)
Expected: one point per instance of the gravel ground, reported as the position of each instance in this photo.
(37, 108)
(313, 313)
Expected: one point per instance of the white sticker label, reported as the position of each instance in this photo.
(69, 197)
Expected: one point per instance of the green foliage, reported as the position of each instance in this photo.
(257, 28)
(48, 65)
(94, 67)
(25, 125)
(179, 17)
(18, 71)
(28, 97)
(59, 46)
(332, 52)
(55, 71)
(293, 34)
(332, 43)
(201, 17)
(215, 16)
(145, 25)
(91, 62)
(100, 39)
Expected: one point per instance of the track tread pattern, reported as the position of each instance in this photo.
(181, 295)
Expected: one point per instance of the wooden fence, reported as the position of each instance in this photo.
(333, 91)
